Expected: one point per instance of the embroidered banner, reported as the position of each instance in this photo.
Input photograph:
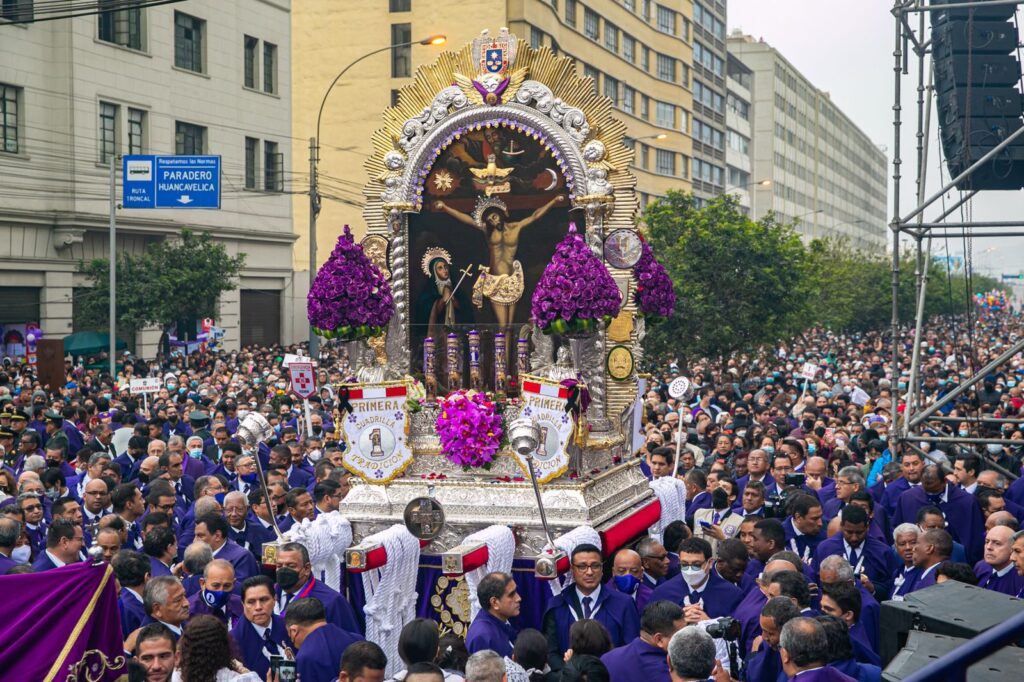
(61, 625)
(375, 430)
(544, 402)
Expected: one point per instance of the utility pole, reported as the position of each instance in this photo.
(314, 210)
(113, 267)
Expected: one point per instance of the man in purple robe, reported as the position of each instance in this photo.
(996, 572)
(804, 528)
(912, 466)
(216, 595)
(764, 663)
(212, 529)
(162, 547)
(587, 599)
(768, 539)
(320, 644)
(166, 603)
(295, 581)
(499, 601)
(698, 588)
(63, 546)
(627, 577)
(961, 511)
(260, 633)
(757, 470)
(932, 549)
(692, 655)
(803, 647)
(644, 658)
(843, 600)
(835, 570)
(867, 555)
(132, 571)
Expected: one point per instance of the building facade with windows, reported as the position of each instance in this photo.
(824, 172)
(738, 133)
(638, 52)
(190, 78)
(709, 98)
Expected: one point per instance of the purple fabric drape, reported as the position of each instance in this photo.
(61, 625)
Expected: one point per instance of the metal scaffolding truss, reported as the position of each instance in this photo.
(912, 51)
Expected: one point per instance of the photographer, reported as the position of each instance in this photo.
(691, 657)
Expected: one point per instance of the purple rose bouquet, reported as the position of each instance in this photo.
(470, 429)
(655, 296)
(350, 298)
(575, 291)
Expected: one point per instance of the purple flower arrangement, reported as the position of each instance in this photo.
(575, 291)
(350, 298)
(470, 429)
(655, 296)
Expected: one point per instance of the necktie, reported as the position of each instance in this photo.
(935, 499)
(586, 607)
(853, 558)
(269, 646)
(287, 600)
(715, 519)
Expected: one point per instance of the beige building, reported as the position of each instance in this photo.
(188, 78)
(639, 53)
(816, 165)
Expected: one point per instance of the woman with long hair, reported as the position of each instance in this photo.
(205, 654)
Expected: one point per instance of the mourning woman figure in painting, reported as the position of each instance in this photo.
(441, 306)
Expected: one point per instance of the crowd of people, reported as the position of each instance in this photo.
(800, 518)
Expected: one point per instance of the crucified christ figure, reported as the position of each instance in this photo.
(502, 280)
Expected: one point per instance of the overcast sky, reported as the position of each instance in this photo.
(845, 48)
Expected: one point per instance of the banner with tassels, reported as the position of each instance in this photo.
(375, 422)
(545, 402)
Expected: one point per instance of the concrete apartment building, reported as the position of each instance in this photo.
(738, 132)
(639, 53)
(708, 170)
(814, 164)
(185, 78)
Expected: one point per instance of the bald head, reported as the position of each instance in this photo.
(149, 464)
(998, 545)
(1001, 518)
(932, 479)
(816, 467)
(779, 565)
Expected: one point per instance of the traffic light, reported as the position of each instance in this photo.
(976, 71)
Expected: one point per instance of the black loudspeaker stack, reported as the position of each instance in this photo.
(977, 73)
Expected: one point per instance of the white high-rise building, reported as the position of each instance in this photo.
(188, 78)
(813, 163)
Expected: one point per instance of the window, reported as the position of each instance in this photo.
(590, 24)
(665, 115)
(666, 20)
(611, 37)
(9, 118)
(738, 107)
(686, 75)
(665, 162)
(570, 12)
(188, 42)
(647, 10)
(708, 59)
(136, 131)
(252, 146)
(645, 160)
(645, 59)
(666, 68)
(399, 5)
(645, 107)
(119, 26)
(686, 29)
(17, 10)
(629, 4)
(251, 45)
(629, 48)
(269, 67)
(684, 167)
(738, 178)
(590, 72)
(709, 21)
(611, 90)
(628, 99)
(737, 142)
(108, 131)
(536, 38)
(273, 168)
(401, 57)
(189, 138)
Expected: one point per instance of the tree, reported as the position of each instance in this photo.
(174, 282)
(739, 283)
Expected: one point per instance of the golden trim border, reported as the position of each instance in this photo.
(79, 626)
(412, 455)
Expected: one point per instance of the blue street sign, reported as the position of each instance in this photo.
(151, 181)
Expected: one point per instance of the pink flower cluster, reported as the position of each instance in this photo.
(470, 429)
(350, 298)
(575, 287)
(655, 296)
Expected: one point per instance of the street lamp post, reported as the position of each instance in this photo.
(314, 158)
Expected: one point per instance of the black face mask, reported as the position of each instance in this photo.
(173, 418)
(53, 463)
(808, 424)
(287, 578)
(142, 477)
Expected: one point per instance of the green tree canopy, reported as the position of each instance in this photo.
(174, 282)
(739, 283)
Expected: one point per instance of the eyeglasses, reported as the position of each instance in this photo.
(32, 507)
(587, 568)
(657, 557)
(699, 564)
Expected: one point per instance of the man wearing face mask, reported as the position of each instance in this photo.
(11, 553)
(699, 589)
(717, 523)
(644, 658)
(173, 426)
(295, 581)
(216, 595)
(129, 461)
(247, 478)
(627, 577)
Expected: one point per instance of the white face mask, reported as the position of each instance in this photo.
(22, 554)
(315, 455)
(694, 576)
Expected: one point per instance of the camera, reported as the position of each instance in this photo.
(726, 628)
(794, 480)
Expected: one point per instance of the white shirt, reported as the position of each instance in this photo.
(593, 603)
(1003, 571)
(56, 562)
(969, 488)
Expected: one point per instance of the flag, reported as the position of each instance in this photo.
(62, 625)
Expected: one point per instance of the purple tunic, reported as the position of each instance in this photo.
(319, 657)
(614, 610)
(251, 645)
(803, 545)
(748, 613)
(963, 516)
(487, 632)
(1011, 583)
(229, 614)
(637, 660)
(243, 561)
(825, 674)
(874, 559)
(720, 596)
(133, 613)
